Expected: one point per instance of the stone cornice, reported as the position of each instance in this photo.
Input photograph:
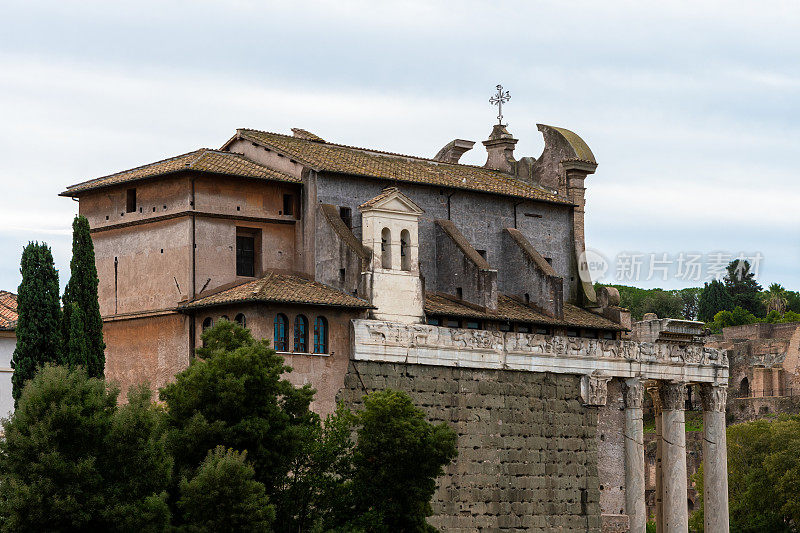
(375, 340)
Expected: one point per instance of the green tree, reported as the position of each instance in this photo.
(774, 298)
(397, 459)
(691, 300)
(235, 396)
(662, 303)
(39, 326)
(712, 300)
(83, 326)
(72, 460)
(763, 477)
(743, 287)
(223, 496)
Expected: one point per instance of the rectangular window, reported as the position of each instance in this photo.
(342, 275)
(590, 333)
(347, 216)
(542, 331)
(523, 328)
(450, 323)
(472, 324)
(288, 204)
(609, 335)
(572, 333)
(130, 201)
(433, 322)
(505, 326)
(459, 293)
(245, 255)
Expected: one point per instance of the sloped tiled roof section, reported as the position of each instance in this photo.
(203, 160)
(510, 309)
(281, 288)
(329, 157)
(8, 311)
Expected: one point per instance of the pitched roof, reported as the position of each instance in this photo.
(510, 309)
(8, 311)
(281, 288)
(330, 157)
(202, 160)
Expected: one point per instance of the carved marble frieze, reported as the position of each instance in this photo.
(434, 345)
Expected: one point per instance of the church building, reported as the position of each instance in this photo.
(366, 269)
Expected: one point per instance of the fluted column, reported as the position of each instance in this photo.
(652, 389)
(715, 458)
(673, 463)
(634, 456)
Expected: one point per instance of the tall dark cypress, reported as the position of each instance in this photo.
(39, 326)
(81, 307)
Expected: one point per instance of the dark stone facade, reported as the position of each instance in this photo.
(481, 218)
(527, 446)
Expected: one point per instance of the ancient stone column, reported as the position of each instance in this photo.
(634, 456)
(673, 462)
(652, 389)
(715, 458)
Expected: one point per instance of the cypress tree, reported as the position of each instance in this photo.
(39, 325)
(714, 298)
(83, 325)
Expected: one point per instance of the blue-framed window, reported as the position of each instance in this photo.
(320, 335)
(301, 334)
(281, 339)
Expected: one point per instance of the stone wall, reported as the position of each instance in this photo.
(527, 446)
(480, 217)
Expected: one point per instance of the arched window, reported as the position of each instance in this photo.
(225, 317)
(405, 251)
(744, 388)
(320, 335)
(241, 320)
(386, 248)
(300, 334)
(281, 339)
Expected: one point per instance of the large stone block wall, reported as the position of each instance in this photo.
(527, 446)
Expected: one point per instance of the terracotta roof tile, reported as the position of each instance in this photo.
(510, 309)
(8, 310)
(386, 165)
(281, 288)
(203, 160)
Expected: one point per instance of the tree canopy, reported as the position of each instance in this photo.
(82, 328)
(39, 326)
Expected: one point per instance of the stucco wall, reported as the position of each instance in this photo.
(480, 217)
(153, 266)
(154, 198)
(7, 343)
(146, 350)
(527, 447)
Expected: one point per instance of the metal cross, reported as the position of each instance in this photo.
(499, 99)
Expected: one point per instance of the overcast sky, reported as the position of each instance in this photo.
(691, 108)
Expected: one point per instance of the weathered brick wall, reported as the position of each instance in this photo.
(527, 450)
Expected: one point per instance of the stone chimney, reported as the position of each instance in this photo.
(500, 147)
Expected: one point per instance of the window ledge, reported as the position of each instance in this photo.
(304, 353)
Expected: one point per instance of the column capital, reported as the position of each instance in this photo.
(713, 397)
(634, 393)
(594, 389)
(673, 395)
(652, 389)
